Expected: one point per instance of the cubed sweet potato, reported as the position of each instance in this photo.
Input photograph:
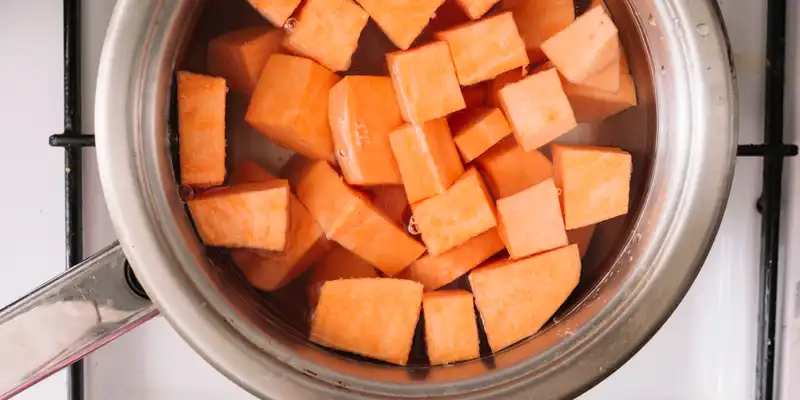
(328, 31)
(607, 79)
(435, 272)
(373, 317)
(240, 56)
(290, 105)
(201, 129)
(452, 218)
(530, 222)
(363, 111)
(516, 298)
(348, 218)
(494, 86)
(484, 128)
(594, 182)
(590, 104)
(539, 20)
(401, 20)
(253, 215)
(427, 157)
(476, 8)
(339, 263)
(585, 47)
(451, 332)
(275, 11)
(581, 237)
(538, 109)
(425, 82)
(484, 49)
(508, 168)
(305, 242)
(392, 202)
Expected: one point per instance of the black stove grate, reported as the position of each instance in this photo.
(773, 151)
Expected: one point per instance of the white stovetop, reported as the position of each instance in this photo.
(705, 351)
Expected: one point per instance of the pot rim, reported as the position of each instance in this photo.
(668, 243)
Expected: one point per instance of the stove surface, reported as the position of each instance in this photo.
(707, 349)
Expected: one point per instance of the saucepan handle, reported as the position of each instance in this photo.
(67, 318)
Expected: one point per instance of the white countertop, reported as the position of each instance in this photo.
(706, 350)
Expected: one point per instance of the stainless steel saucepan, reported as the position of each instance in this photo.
(682, 136)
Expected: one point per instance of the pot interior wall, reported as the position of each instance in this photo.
(281, 317)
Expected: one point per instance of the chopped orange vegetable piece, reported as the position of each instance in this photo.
(483, 49)
(493, 91)
(474, 95)
(363, 111)
(606, 79)
(591, 104)
(486, 127)
(392, 202)
(240, 56)
(585, 47)
(290, 105)
(401, 20)
(581, 237)
(328, 31)
(305, 242)
(373, 317)
(201, 129)
(476, 8)
(451, 331)
(275, 11)
(427, 157)
(435, 272)
(339, 263)
(254, 215)
(516, 298)
(508, 168)
(538, 109)
(530, 221)
(425, 82)
(594, 182)
(348, 218)
(539, 20)
(452, 218)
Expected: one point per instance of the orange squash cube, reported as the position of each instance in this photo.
(538, 109)
(585, 47)
(305, 242)
(363, 111)
(425, 82)
(392, 202)
(290, 105)
(493, 89)
(590, 104)
(451, 331)
(508, 168)
(373, 317)
(485, 128)
(435, 272)
(476, 8)
(581, 237)
(201, 129)
(516, 298)
(275, 11)
(348, 218)
(328, 31)
(539, 20)
(483, 49)
(401, 20)
(240, 56)
(594, 181)
(252, 216)
(339, 263)
(454, 217)
(427, 158)
(607, 80)
(530, 221)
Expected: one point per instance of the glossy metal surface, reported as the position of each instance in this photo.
(67, 318)
(683, 138)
